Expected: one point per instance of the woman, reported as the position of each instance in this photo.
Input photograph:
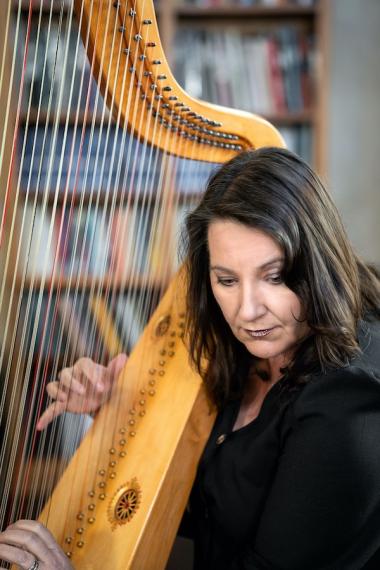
(288, 318)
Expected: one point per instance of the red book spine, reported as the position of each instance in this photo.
(275, 74)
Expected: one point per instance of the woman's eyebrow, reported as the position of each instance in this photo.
(263, 266)
(272, 262)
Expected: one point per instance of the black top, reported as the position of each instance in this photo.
(299, 486)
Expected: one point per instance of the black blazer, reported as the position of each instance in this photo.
(298, 487)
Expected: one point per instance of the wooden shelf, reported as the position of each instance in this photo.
(36, 6)
(64, 118)
(86, 198)
(86, 283)
(289, 119)
(237, 12)
(285, 118)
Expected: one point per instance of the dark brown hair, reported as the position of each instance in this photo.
(274, 190)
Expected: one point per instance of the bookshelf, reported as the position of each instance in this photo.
(304, 127)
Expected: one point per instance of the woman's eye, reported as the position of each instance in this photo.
(275, 279)
(226, 281)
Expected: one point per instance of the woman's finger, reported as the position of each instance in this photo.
(16, 555)
(53, 411)
(33, 542)
(72, 383)
(55, 391)
(116, 365)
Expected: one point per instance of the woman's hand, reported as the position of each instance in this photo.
(81, 389)
(30, 545)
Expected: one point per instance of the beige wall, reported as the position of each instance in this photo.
(354, 120)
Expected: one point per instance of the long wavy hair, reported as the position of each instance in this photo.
(274, 190)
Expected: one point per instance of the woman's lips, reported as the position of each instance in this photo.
(259, 332)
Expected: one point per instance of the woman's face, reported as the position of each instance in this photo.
(246, 279)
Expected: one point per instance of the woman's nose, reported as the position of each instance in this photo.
(252, 304)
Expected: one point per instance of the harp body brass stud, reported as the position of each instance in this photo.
(171, 344)
(163, 352)
(122, 453)
(171, 353)
(102, 496)
(68, 540)
(162, 363)
(102, 485)
(112, 475)
(112, 463)
(142, 402)
(91, 520)
(122, 431)
(80, 530)
(161, 373)
(131, 423)
(152, 392)
(91, 507)
(122, 442)
(152, 371)
(102, 472)
(142, 413)
(112, 450)
(152, 382)
(80, 543)
(69, 554)
(92, 494)
(132, 433)
(132, 411)
(80, 516)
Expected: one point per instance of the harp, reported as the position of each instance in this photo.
(105, 175)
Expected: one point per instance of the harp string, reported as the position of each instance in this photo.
(69, 223)
(6, 122)
(40, 314)
(49, 455)
(22, 343)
